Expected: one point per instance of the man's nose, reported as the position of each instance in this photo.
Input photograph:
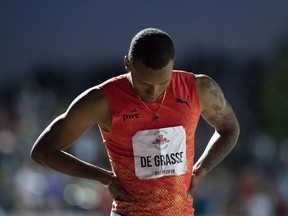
(153, 90)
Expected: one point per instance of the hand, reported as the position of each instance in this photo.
(197, 175)
(117, 191)
(193, 185)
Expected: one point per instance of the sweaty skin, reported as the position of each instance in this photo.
(91, 108)
(217, 112)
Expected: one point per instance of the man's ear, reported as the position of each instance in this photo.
(127, 64)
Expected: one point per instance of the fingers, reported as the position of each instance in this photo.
(125, 197)
(122, 194)
(128, 197)
(118, 192)
(193, 185)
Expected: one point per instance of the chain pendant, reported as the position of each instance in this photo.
(156, 117)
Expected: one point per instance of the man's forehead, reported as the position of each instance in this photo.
(147, 75)
(141, 64)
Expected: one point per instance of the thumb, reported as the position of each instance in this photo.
(193, 184)
(124, 195)
(117, 191)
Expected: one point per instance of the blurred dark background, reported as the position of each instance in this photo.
(52, 50)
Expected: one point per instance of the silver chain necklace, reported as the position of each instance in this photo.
(156, 114)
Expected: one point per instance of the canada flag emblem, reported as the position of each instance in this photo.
(160, 140)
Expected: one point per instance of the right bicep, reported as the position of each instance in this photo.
(83, 113)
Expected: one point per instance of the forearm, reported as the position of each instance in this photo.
(66, 163)
(217, 149)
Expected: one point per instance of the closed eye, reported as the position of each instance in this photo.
(148, 84)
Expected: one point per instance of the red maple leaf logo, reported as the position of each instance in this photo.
(160, 139)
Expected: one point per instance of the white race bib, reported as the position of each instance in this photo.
(160, 152)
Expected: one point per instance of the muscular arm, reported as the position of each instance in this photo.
(88, 109)
(218, 113)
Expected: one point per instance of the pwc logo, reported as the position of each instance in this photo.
(131, 116)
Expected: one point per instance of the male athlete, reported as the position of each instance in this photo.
(147, 118)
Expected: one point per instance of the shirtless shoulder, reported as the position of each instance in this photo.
(92, 104)
(209, 92)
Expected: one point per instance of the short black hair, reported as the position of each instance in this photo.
(153, 47)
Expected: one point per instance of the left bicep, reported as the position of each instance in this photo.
(214, 107)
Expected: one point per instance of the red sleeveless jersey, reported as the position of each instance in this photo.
(156, 195)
